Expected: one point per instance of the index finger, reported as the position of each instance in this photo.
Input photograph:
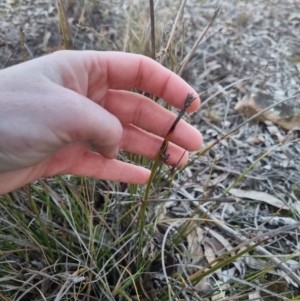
(126, 71)
(149, 76)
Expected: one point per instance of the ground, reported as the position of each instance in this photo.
(253, 175)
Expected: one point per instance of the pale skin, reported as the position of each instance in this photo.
(53, 109)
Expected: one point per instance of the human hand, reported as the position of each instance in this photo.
(52, 109)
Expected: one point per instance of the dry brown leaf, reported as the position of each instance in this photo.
(209, 252)
(278, 221)
(285, 115)
(203, 285)
(219, 179)
(226, 247)
(215, 244)
(257, 264)
(255, 140)
(195, 239)
(254, 295)
(259, 196)
(224, 242)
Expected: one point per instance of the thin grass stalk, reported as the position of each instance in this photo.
(81, 19)
(249, 169)
(42, 226)
(221, 262)
(123, 294)
(260, 273)
(128, 27)
(172, 63)
(243, 82)
(152, 26)
(10, 56)
(49, 213)
(64, 26)
(71, 222)
(252, 285)
(191, 53)
(147, 31)
(164, 242)
(118, 285)
(175, 25)
(22, 41)
(182, 39)
(90, 215)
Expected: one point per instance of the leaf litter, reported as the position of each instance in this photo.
(253, 46)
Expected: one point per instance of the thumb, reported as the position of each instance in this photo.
(88, 121)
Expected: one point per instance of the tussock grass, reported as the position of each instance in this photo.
(73, 238)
